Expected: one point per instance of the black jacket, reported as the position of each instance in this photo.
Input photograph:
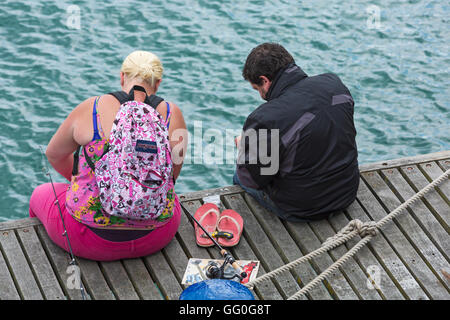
(318, 168)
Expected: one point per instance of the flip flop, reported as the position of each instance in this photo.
(230, 221)
(207, 215)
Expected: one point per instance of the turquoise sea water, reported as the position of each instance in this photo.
(393, 56)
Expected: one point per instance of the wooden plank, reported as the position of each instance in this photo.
(8, 289)
(411, 242)
(177, 258)
(45, 276)
(368, 261)
(424, 217)
(434, 201)
(95, 282)
(410, 227)
(445, 164)
(21, 270)
(118, 280)
(161, 272)
(141, 279)
(20, 223)
(386, 164)
(186, 232)
(261, 244)
(433, 171)
(355, 275)
(241, 251)
(197, 195)
(392, 264)
(286, 247)
(93, 278)
(267, 290)
(190, 208)
(307, 241)
(60, 262)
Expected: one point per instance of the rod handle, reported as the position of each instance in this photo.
(235, 265)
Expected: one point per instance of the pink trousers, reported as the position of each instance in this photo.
(84, 242)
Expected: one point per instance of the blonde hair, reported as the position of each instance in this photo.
(143, 65)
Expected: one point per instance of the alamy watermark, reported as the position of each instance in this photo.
(73, 17)
(227, 146)
(374, 19)
(374, 277)
(73, 281)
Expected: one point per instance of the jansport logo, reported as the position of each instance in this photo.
(146, 146)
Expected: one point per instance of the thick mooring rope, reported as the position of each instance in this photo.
(366, 230)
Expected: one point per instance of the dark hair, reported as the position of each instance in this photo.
(266, 60)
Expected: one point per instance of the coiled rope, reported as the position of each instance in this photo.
(366, 230)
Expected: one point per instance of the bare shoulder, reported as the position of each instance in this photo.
(176, 111)
(80, 117)
(108, 100)
(83, 106)
(176, 119)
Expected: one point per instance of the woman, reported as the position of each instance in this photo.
(94, 234)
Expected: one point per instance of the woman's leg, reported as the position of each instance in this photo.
(43, 205)
(99, 249)
(84, 242)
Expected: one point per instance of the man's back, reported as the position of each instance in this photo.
(318, 168)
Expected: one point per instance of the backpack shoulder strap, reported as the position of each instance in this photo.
(89, 160)
(153, 101)
(76, 158)
(122, 96)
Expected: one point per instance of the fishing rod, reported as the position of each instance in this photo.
(214, 271)
(73, 261)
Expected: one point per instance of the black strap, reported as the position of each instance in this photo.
(89, 160)
(154, 101)
(76, 157)
(122, 96)
(138, 88)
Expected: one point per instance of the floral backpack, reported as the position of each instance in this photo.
(133, 175)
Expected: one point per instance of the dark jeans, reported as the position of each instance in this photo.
(265, 201)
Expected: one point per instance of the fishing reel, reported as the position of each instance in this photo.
(216, 271)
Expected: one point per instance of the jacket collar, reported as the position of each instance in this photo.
(284, 79)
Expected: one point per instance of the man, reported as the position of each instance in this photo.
(307, 127)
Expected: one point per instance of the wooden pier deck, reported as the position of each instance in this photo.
(409, 257)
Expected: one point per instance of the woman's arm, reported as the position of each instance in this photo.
(61, 147)
(178, 139)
